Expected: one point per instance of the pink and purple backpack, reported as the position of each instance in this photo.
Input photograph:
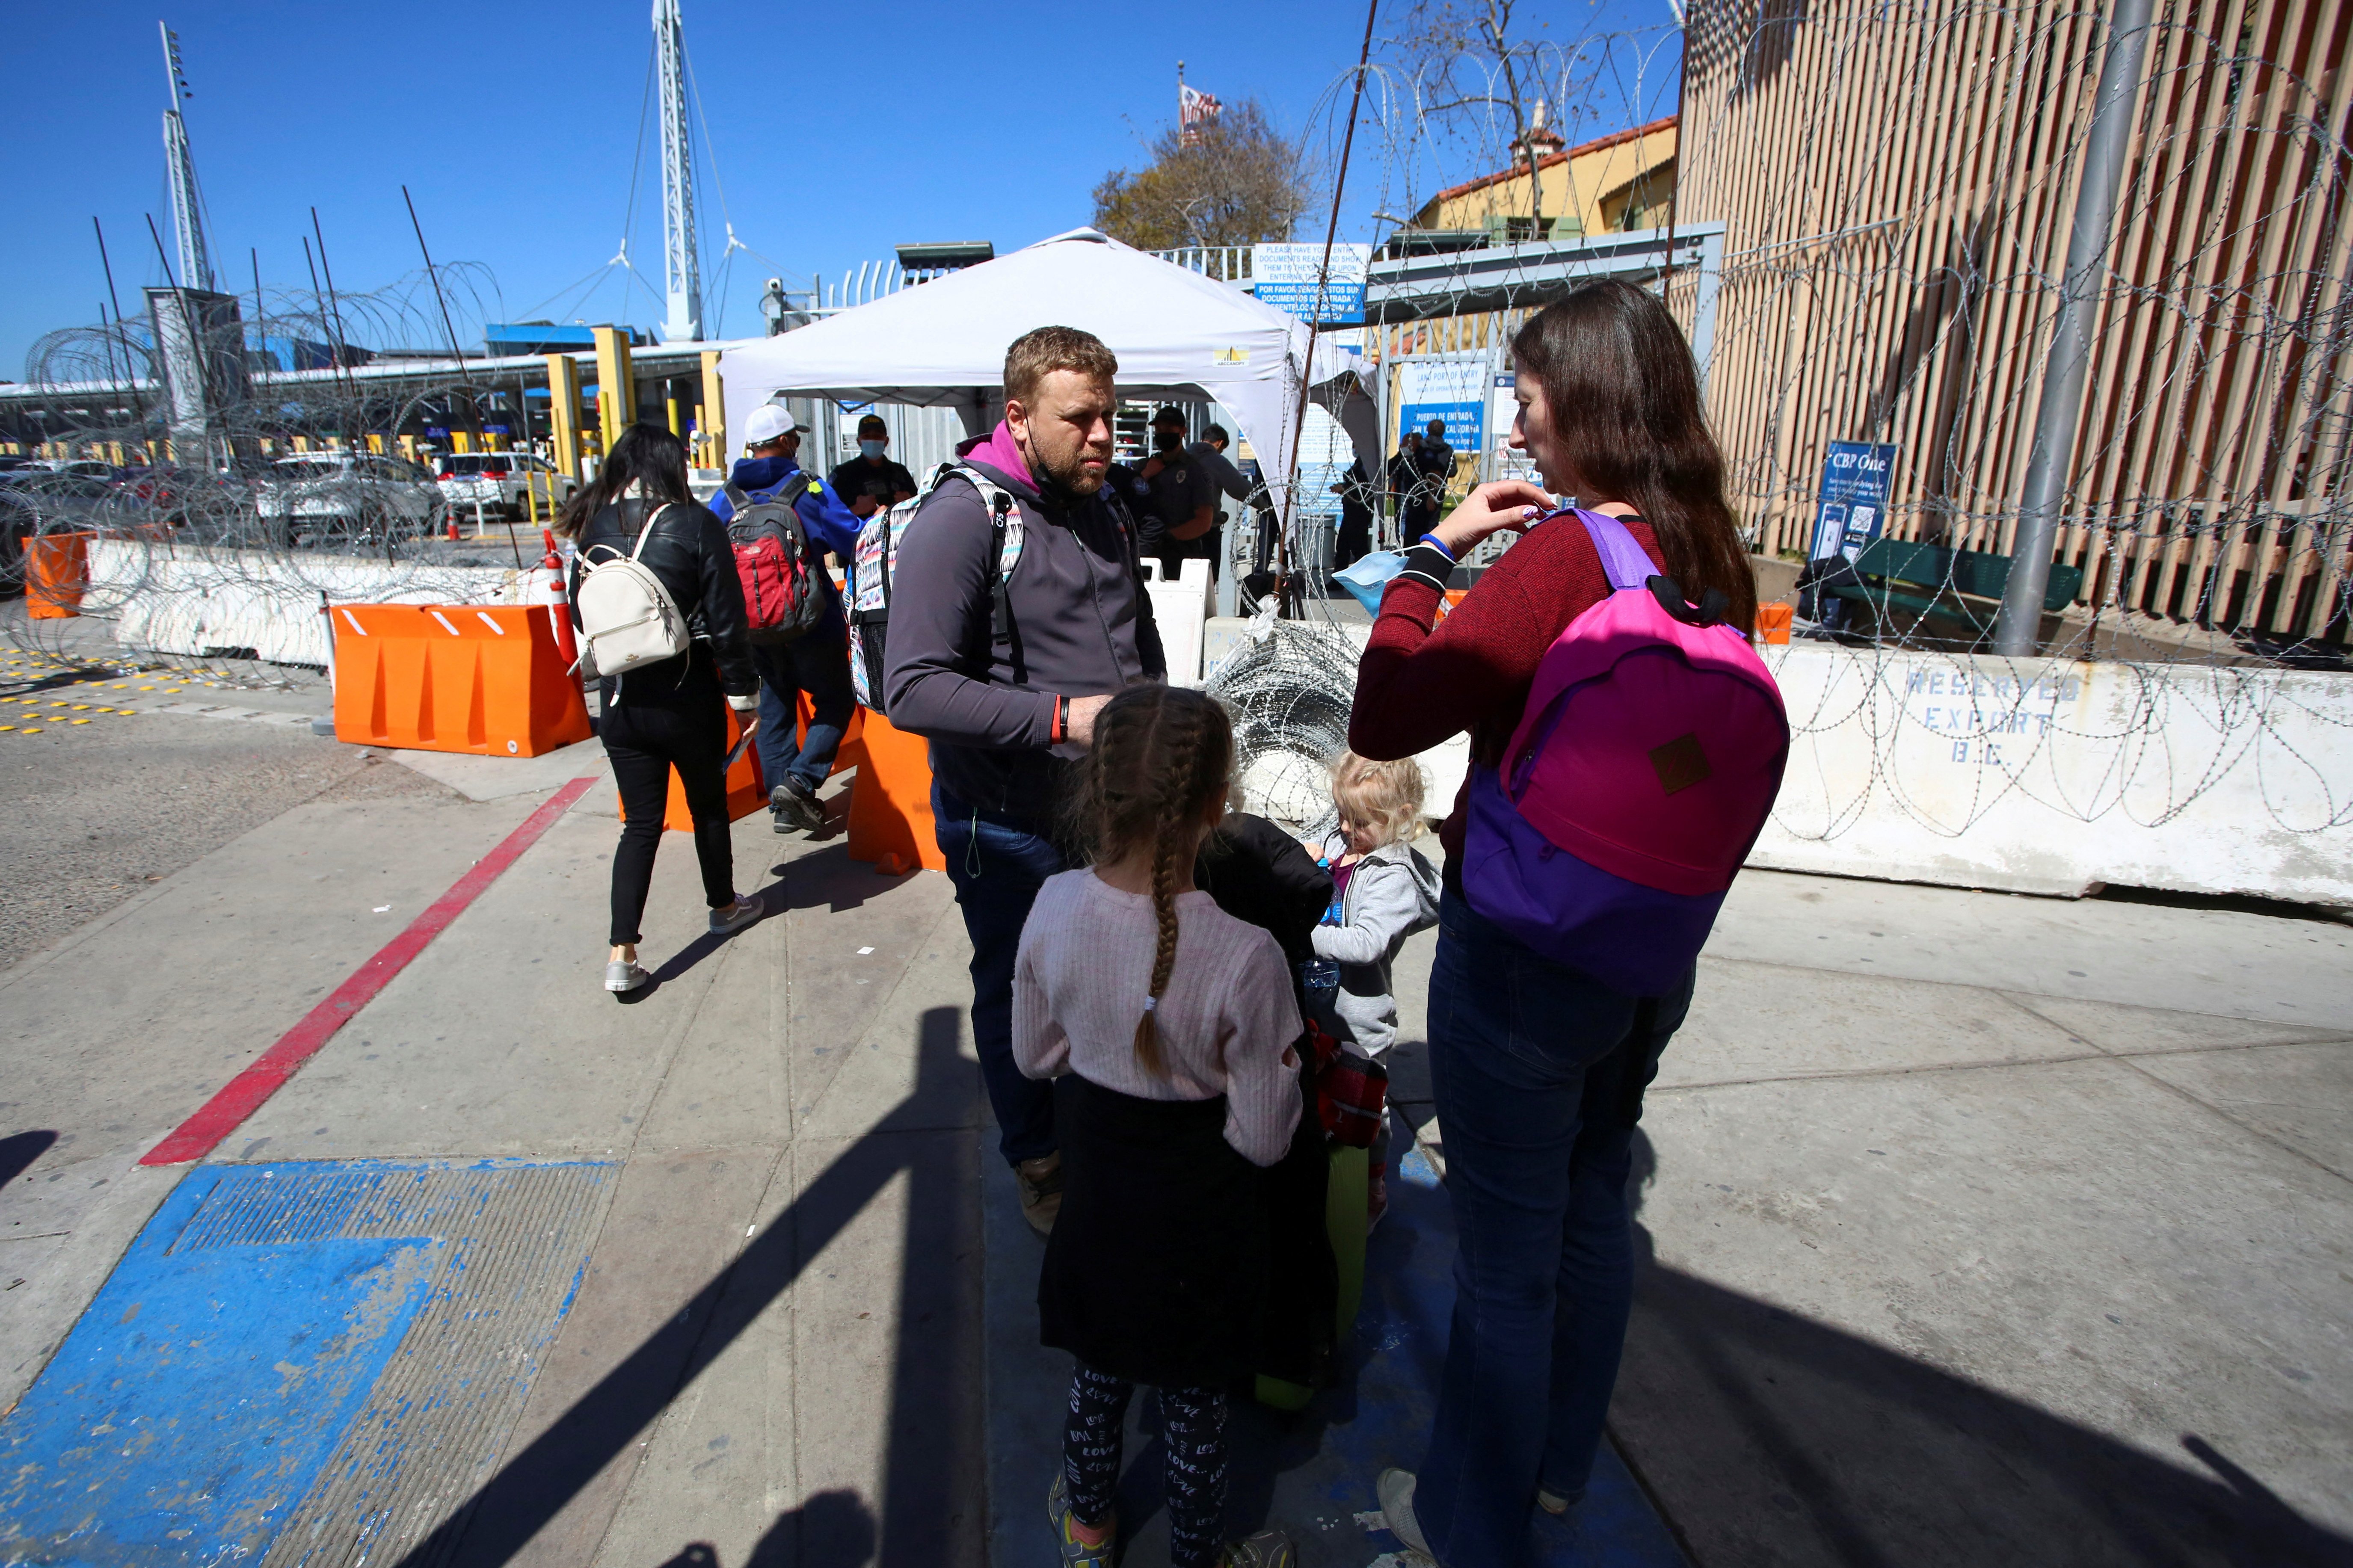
(1641, 774)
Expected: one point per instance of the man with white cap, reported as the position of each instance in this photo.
(816, 662)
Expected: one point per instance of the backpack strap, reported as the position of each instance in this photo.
(1625, 562)
(1000, 613)
(647, 532)
(737, 497)
(1001, 626)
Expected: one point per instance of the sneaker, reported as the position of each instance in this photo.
(623, 976)
(1556, 1503)
(1076, 1554)
(735, 916)
(1267, 1549)
(1042, 1190)
(1395, 1489)
(794, 805)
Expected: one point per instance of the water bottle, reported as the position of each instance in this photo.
(1321, 979)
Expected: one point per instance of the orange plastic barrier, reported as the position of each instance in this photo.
(57, 569)
(746, 791)
(453, 677)
(890, 804)
(1773, 621)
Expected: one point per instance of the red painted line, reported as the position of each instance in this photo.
(243, 1095)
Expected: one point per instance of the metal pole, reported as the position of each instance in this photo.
(1323, 287)
(187, 212)
(681, 269)
(130, 365)
(2055, 422)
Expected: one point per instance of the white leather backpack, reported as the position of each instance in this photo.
(627, 616)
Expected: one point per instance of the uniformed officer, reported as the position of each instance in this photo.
(1175, 497)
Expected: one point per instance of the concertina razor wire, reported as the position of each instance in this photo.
(1892, 188)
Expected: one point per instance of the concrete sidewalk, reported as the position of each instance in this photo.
(1982, 1228)
(769, 1352)
(1958, 1255)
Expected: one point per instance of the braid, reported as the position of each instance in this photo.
(1162, 756)
(1164, 956)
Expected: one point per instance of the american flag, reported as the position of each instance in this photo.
(1195, 108)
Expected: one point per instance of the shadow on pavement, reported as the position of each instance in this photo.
(927, 1473)
(1771, 1439)
(20, 1151)
(832, 1530)
(1765, 1438)
(829, 879)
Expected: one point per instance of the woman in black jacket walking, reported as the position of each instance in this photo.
(673, 713)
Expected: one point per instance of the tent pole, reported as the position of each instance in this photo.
(1323, 285)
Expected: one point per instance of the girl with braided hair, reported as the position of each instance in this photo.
(1167, 1026)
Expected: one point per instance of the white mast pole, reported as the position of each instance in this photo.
(682, 272)
(187, 219)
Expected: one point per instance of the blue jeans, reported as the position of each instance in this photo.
(997, 862)
(1538, 1072)
(817, 663)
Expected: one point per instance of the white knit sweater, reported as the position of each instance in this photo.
(1226, 1020)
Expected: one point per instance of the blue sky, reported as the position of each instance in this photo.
(835, 132)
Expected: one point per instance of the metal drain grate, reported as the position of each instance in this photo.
(299, 1363)
(434, 1425)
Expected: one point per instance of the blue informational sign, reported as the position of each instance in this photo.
(1290, 277)
(1853, 508)
(1456, 391)
(1466, 423)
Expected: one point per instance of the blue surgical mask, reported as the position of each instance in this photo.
(871, 448)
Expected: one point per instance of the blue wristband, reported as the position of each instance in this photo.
(1436, 544)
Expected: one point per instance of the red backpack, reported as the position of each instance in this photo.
(782, 597)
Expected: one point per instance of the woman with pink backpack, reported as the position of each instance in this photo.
(1626, 745)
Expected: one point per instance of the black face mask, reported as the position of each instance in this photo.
(1051, 490)
(1166, 440)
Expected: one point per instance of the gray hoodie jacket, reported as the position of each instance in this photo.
(1392, 893)
(1082, 626)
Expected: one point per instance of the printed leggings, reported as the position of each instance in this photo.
(1193, 1432)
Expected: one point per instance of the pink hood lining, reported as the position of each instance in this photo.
(1000, 451)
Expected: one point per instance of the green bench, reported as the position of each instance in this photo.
(1934, 582)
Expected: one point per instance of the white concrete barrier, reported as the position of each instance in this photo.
(165, 597)
(2052, 776)
(1180, 609)
(2041, 776)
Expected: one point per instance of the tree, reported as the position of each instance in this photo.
(1243, 182)
(1472, 68)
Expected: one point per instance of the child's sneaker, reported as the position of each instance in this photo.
(1267, 1549)
(1077, 1553)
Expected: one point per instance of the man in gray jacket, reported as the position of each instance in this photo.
(1004, 677)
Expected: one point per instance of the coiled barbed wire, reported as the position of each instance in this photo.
(1889, 261)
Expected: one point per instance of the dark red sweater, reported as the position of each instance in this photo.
(1417, 687)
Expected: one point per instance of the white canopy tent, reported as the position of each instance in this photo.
(1176, 333)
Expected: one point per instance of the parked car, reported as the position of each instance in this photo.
(168, 495)
(42, 500)
(348, 496)
(499, 480)
(85, 467)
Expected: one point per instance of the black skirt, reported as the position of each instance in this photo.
(1156, 1267)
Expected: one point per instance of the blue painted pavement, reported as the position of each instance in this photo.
(240, 1347)
(1310, 1474)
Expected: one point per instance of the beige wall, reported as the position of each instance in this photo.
(1599, 187)
(1897, 186)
